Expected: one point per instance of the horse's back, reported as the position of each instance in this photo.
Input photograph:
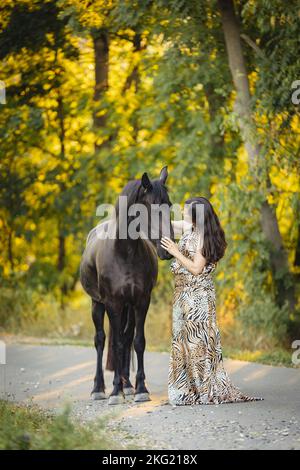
(88, 267)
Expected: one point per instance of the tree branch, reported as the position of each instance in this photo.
(253, 45)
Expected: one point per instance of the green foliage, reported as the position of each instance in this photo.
(272, 356)
(169, 100)
(16, 305)
(264, 320)
(28, 428)
(34, 312)
(278, 25)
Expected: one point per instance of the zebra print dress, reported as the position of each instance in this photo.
(196, 370)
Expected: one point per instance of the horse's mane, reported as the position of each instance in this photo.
(133, 189)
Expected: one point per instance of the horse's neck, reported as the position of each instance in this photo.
(106, 229)
(130, 248)
(149, 247)
(127, 246)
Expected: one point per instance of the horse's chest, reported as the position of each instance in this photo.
(130, 284)
(133, 286)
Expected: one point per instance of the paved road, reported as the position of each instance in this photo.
(53, 375)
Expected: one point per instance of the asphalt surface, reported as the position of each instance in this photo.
(52, 376)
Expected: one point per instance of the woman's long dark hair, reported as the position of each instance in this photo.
(214, 243)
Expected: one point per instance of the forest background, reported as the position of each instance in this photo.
(96, 93)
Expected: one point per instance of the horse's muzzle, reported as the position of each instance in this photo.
(163, 254)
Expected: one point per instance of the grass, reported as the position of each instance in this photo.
(30, 428)
(276, 357)
(48, 324)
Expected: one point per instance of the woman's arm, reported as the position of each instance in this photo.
(195, 266)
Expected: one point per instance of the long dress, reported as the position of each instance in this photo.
(196, 370)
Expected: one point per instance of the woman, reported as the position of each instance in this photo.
(196, 372)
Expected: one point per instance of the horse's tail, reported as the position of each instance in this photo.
(110, 352)
(125, 325)
(132, 358)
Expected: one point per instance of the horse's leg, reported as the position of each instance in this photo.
(98, 311)
(128, 339)
(115, 317)
(141, 392)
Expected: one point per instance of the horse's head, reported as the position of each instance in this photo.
(154, 195)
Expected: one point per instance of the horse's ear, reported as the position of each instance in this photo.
(163, 175)
(146, 183)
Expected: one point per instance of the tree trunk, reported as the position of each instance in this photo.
(61, 121)
(297, 254)
(217, 140)
(61, 263)
(61, 252)
(278, 256)
(134, 78)
(10, 250)
(62, 186)
(61, 259)
(101, 54)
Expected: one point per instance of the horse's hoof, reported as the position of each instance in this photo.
(128, 391)
(98, 396)
(142, 397)
(116, 400)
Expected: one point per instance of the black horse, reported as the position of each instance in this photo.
(119, 275)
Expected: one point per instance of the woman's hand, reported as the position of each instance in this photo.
(170, 246)
(194, 266)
